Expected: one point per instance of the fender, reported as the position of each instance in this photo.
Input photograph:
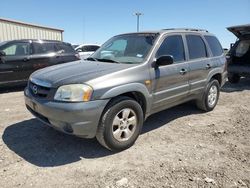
(213, 72)
(131, 87)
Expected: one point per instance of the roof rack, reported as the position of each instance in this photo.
(187, 29)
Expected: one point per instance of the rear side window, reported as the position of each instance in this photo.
(172, 45)
(214, 45)
(90, 48)
(196, 47)
(43, 48)
(66, 48)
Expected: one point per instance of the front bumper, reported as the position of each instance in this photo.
(80, 119)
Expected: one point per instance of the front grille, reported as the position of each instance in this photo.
(38, 91)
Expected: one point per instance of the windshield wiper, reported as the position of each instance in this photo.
(91, 59)
(108, 60)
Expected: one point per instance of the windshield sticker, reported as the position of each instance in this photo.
(139, 55)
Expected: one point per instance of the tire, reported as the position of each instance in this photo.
(120, 124)
(233, 78)
(210, 97)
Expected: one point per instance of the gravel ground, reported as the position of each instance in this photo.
(178, 147)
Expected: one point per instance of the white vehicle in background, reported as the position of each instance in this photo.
(85, 50)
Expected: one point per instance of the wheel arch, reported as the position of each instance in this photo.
(137, 92)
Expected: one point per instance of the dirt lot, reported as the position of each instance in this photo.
(179, 147)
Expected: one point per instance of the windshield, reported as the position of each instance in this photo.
(3, 43)
(128, 48)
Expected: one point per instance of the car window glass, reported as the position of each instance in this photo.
(172, 45)
(17, 49)
(89, 48)
(42, 48)
(66, 48)
(93, 48)
(127, 48)
(214, 45)
(242, 48)
(196, 47)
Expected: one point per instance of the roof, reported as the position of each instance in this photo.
(29, 24)
(172, 30)
(34, 40)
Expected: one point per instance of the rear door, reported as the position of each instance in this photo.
(170, 82)
(42, 55)
(11, 64)
(199, 62)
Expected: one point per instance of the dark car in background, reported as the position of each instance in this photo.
(19, 58)
(238, 57)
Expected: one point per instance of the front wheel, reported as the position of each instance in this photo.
(120, 124)
(210, 96)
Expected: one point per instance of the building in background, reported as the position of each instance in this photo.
(11, 30)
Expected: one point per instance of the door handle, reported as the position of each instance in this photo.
(26, 59)
(183, 71)
(208, 66)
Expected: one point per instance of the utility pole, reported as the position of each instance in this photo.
(138, 14)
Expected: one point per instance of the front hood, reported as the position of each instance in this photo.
(75, 72)
(240, 30)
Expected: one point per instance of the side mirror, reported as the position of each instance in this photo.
(2, 53)
(164, 60)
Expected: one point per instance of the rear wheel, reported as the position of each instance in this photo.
(233, 78)
(210, 96)
(121, 124)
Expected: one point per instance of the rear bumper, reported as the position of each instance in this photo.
(80, 119)
(242, 70)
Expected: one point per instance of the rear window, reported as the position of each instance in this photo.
(196, 47)
(214, 45)
(67, 48)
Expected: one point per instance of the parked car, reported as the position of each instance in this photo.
(126, 80)
(238, 56)
(19, 58)
(85, 50)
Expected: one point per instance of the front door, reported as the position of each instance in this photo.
(170, 82)
(11, 64)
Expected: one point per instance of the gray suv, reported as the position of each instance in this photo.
(109, 95)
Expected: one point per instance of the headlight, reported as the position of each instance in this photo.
(74, 93)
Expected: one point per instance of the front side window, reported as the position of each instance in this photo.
(214, 45)
(128, 48)
(65, 47)
(89, 48)
(196, 47)
(172, 45)
(17, 49)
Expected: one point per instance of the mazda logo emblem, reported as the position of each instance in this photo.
(34, 89)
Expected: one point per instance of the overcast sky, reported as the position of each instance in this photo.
(97, 20)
